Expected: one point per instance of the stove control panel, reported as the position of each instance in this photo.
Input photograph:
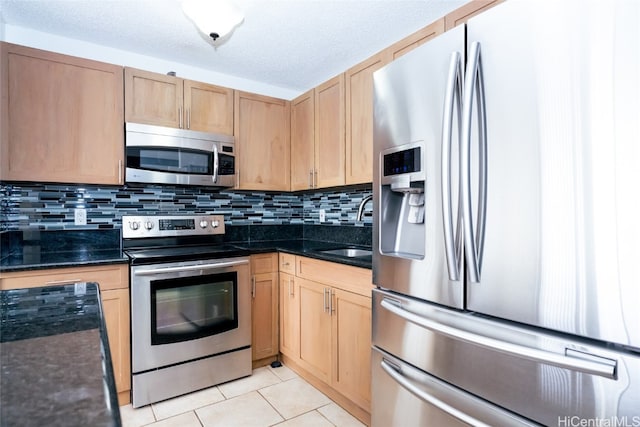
(134, 226)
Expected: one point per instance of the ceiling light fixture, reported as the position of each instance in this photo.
(215, 19)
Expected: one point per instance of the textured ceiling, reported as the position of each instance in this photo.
(292, 44)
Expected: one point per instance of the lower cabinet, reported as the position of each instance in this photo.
(289, 315)
(264, 308)
(351, 346)
(115, 304)
(315, 329)
(325, 318)
(114, 295)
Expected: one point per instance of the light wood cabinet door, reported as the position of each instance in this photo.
(414, 40)
(61, 118)
(289, 316)
(153, 98)
(302, 141)
(261, 126)
(264, 312)
(351, 334)
(330, 133)
(115, 305)
(162, 100)
(287, 263)
(208, 108)
(264, 306)
(359, 121)
(466, 11)
(113, 281)
(315, 328)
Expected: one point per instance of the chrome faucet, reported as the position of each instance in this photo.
(361, 208)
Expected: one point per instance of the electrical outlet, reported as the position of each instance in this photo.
(80, 288)
(323, 215)
(80, 216)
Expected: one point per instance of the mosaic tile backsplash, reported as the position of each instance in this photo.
(51, 206)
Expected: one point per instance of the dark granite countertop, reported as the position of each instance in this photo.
(76, 258)
(36, 249)
(55, 367)
(311, 249)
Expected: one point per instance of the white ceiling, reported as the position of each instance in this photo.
(290, 44)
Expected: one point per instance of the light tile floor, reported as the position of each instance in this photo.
(269, 397)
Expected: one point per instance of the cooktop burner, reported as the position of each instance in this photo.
(183, 253)
(155, 239)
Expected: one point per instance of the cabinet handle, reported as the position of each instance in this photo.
(310, 178)
(325, 307)
(332, 309)
(119, 171)
(315, 179)
(180, 117)
(189, 119)
(253, 287)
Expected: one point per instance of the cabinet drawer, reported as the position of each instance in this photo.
(352, 279)
(264, 263)
(287, 263)
(108, 277)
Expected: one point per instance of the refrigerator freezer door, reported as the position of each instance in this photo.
(543, 377)
(408, 236)
(563, 123)
(406, 396)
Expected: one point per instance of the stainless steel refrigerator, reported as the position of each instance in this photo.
(506, 224)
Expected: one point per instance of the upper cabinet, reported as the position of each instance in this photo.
(61, 118)
(303, 141)
(329, 133)
(165, 100)
(463, 13)
(359, 112)
(414, 40)
(262, 142)
(318, 136)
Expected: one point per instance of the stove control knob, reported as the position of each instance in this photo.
(148, 225)
(203, 223)
(215, 223)
(134, 225)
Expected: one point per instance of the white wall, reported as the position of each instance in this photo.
(50, 42)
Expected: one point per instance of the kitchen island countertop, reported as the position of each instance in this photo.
(55, 367)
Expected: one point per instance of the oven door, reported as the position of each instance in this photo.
(187, 310)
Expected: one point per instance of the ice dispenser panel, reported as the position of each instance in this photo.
(402, 231)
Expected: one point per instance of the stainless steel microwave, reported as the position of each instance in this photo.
(162, 155)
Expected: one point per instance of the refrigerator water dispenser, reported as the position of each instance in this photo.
(402, 202)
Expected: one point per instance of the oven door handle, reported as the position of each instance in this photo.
(163, 270)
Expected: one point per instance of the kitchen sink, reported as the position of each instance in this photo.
(348, 252)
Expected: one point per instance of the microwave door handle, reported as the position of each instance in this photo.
(215, 163)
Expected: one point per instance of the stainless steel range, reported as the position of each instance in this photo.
(190, 305)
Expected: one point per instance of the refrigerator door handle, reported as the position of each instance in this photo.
(453, 93)
(474, 241)
(606, 368)
(442, 388)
